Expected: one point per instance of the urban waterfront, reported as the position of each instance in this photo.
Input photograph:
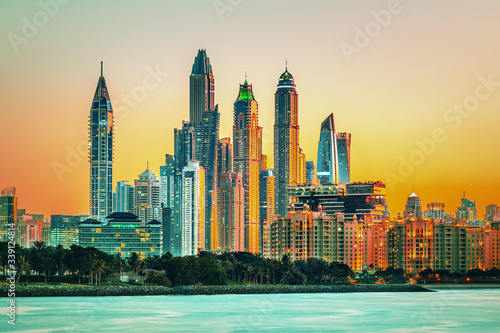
(447, 310)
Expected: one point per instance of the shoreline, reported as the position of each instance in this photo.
(61, 291)
(464, 286)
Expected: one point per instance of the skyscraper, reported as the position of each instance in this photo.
(327, 165)
(247, 151)
(344, 157)
(311, 175)
(8, 212)
(101, 152)
(167, 201)
(201, 88)
(167, 181)
(184, 149)
(286, 141)
(224, 165)
(467, 210)
(232, 212)
(147, 196)
(266, 203)
(413, 206)
(192, 208)
(124, 198)
(204, 117)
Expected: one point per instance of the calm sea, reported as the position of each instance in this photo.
(443, 311)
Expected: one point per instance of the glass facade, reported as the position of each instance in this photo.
(101, 152)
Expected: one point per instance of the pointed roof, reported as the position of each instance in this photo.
(147, 173)
(286, 75)
(413, 195)
(101, 91)
(201, 64)
(246, 92)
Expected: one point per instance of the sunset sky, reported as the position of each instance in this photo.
(426, 70)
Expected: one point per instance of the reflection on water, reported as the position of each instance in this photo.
(443, 311)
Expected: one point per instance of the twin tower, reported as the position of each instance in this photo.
(232, 193)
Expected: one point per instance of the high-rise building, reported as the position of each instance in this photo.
(492, 213)
(225, 156)
(123, 199)
(193, 208)
(8, 212)
(467, 211)
(327, 164)
(413, 207)
(147, 196)
(311, 175)
(266, 203)
(286, 141)
(301, 168)
(201, 88)
(344, 157)
(101, 152)
(205, 117)
(184, 150)
(167, 182)
(435, 210)
(232, 212)
(247, 151)
(167, 202)
(224, 165)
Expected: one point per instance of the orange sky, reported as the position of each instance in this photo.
(420, 63)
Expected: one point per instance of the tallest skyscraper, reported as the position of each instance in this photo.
(101, 152)
(204, 117)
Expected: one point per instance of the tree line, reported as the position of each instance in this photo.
(92, 266)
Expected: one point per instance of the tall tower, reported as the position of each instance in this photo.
(101, 152)
(327, 165)
(247, 151)
(344, 156)
(201, 88)
(413, 206)
(184, 150)
(192, 209)
(286, 141)
(205, 118)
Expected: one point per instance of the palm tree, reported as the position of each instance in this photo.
(23, 265)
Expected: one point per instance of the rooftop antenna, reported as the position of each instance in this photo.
(101, 68)
(464, 194)
(286, 65)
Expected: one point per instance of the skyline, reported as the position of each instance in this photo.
(393, 110)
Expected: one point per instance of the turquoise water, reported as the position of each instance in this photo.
(443, 311)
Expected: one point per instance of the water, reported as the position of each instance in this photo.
(443, 311)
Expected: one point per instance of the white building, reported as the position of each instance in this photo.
(193, 208)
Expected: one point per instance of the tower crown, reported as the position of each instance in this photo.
(286, 81)
(201, 64)
(246, 92)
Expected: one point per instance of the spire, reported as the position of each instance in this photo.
(286, 65)
(147, 165)
(246, 82)
(101, 91)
